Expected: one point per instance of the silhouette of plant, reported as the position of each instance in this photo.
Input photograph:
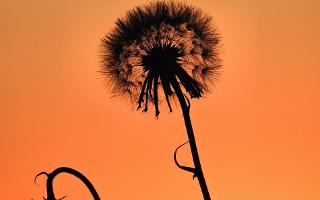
(166, 45)
(52, 175)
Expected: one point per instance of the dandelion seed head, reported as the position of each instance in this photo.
(157, 42)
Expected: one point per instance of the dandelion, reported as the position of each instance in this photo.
(160, 51)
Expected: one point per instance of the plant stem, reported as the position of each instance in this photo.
(192, 141)
(52, 175)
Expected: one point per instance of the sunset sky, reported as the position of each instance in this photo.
(258, 131)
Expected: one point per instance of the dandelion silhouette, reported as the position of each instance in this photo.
(163, 44)
(166, 45)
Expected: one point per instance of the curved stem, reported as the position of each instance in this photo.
(194, 151)
(52, 175)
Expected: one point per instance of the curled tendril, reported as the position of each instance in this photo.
(185, 168)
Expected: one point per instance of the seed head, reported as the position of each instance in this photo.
(155, 44)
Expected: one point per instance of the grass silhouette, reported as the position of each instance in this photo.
(51, 176)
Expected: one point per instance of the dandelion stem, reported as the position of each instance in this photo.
(194, 151)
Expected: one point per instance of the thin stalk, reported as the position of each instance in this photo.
(194, 151)
(52, 175)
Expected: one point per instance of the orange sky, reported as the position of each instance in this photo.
(257, 132)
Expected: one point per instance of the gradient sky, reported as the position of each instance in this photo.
(257, 132)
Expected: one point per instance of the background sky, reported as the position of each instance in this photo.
(257, 132)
